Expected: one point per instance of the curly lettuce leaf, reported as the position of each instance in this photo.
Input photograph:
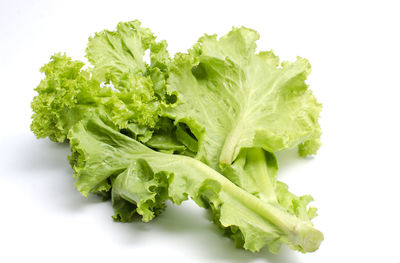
(68, 92)
(233, 98)
(231, 109)
(120, 83)
(255, 170)
(119, 55)
(138, 191)
(118, 60)
(115, 53)
(64, 95)
(144, 179)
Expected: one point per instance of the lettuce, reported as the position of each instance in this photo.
(243, 106)
(144, 179)
(204, 125)
(120, 83)
(233, 98)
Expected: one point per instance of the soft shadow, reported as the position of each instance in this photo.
(289, 157)
(194, 225)
(48, 162)
(45, 155)
(289, 160)
(44, 165)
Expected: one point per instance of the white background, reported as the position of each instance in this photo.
(354, 49)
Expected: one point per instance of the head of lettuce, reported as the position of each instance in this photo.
(204, 124)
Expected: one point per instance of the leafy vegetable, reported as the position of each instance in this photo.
(233, 98)
(203, 125)
(120, 83)
(147, 178)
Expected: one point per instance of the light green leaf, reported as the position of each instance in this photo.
(139, 190)
(115, 53)
(148, 177)
(121, 83)
(64, 96)
(233, 98)
(255, 171)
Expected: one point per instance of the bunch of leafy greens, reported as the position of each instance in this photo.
(203, 125)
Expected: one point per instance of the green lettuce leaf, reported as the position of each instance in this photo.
(118, 56)
(138, 191)
(144, 179)
(204, 125)
(64, 95)
(242, 106)
(164, 138)
(233, 98)
(120, 84)
(115, 53)
(255, 171)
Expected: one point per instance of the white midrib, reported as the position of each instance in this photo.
(300, 232)
(229, 149)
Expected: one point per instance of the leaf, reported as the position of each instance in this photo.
(139, 190)
(114, 53)
(120, 83)
(233, 98)
(63, 97)
(145, 178)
